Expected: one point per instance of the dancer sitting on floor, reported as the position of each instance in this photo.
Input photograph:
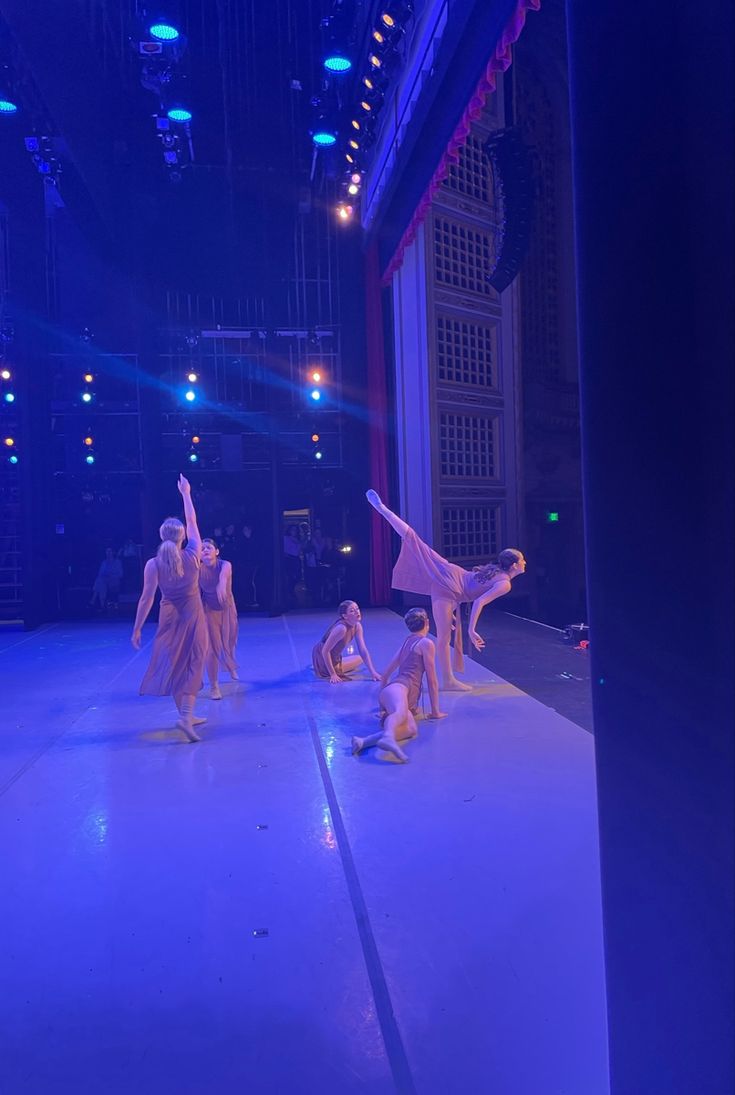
(215, 582)
(181, 643)
(420, 569)
(399, 698)
(327, 657)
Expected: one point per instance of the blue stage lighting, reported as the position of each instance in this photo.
(9, 397)
(13, 459)
(89, 458)
(86, 397)
(163, 32)
(179, 114)
(190, 396)
(318, 455)
(8, 107)
(324, 138)
(316, 395)
(193, 458)
(337, 62)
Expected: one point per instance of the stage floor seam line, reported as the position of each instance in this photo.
(392, 1038)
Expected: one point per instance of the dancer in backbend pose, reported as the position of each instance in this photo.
(327, 657)
(181, 643)
(215, 581)
(420, 569)
(399, 698)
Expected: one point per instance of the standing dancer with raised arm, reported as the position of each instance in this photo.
(420, 569)
(215, 581)
(180, 647)
(399, 698)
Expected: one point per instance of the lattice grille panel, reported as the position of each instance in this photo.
(467, 446)
(470, 532)
(466, 352)
(462, 256)
(471, 176)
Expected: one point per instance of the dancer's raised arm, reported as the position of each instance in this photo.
(193, 536)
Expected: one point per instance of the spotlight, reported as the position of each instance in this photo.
(195, 439)
(346, 549)
(88, 441)
(374, 60)
(353, 189)
(356, 178)
(350, 159)
(86, 397)
(378, 36)
(190, 396)
(396, 12)
(353, 143)
(179, 114)
(336, 62)
(355, 124)
(7, 106)
(324, 138)
(5, 374)
(365, 105)
(9, 397)
(317, 455)
(316, 395)
(87, 378)
(193, 458)
(344, 212)
(10, 441)
(163, 32)
(13, 459)
(315, 437)
(89, 458)
(316, 377)
(192, 378)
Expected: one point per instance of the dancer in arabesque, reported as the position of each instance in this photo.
(399, 697)
(420, 569)
(327, 655)
(180, 646)
(215, 581)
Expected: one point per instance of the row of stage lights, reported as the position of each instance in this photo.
(386, 37)
(10, 443)
(160, 46)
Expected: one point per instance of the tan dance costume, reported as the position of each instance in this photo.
(221, 619)
(317, 654)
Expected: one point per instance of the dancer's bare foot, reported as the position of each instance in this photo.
(453, 685)
(215, 692)
(186, 727)
(357, 744)
(197, 720)
(390, 745)
(374, 499)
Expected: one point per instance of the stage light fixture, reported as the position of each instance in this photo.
(316, 395)
(89, 458)
(344, 212)
(192, 378)
(353, 189)
(374, 60)
(164, 32)
(355, 124)
(10, 441)
(365, 105)
(350, 159)
(353, 143)
(7, 106)
(318, 455)
(195, 439)
(86, 397)
(89, 441)
(324, 138)
(193, 458)
(87, 378)
(5, 374)
(190, 396)
(316, 377)
(356, 178)
(395, 13)
(337, 63)
(315, 437)
(13, 459)
(179, 114)
(9, 397)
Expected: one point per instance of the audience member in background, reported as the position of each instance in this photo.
(291, 562)
(248, 564)
(129, 556)
(106, 588)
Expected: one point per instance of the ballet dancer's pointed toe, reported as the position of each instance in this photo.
(373, 498)
(187, 728)
(215, 692)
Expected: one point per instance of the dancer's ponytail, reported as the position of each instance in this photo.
(508, 557)
(169, 557)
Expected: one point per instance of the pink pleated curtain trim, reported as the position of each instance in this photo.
(499, 62)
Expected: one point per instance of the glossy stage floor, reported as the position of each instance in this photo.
(263, 912)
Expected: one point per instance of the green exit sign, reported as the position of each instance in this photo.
(552, 518)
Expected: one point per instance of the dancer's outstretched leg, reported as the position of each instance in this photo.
(186, 721)
(392, 518)
(383, 741)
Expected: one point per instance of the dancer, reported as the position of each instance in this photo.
(327, 656)
(420, 569)
(215, 582)
(399, 698)
(180, 646)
